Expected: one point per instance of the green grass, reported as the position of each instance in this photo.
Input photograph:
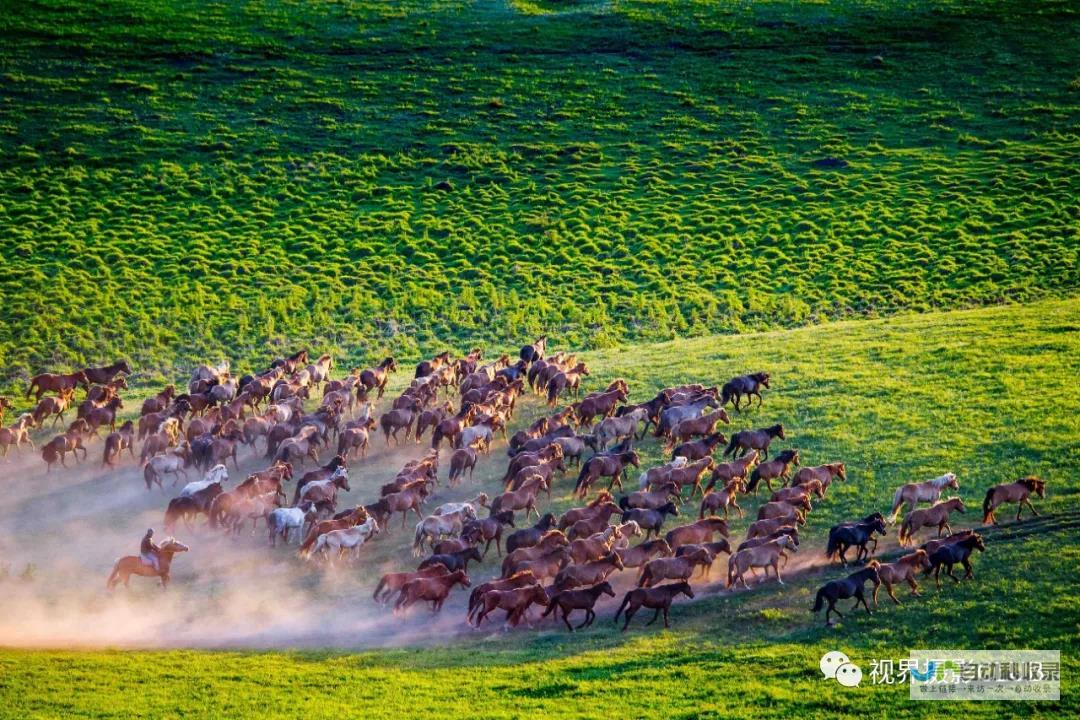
(988, 393)
(372, 176)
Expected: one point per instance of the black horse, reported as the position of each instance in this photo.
(527, 537)
(532, 353)
(748, 385)
(846, 535)
(453, 561)
(959, 552)
(650, 520)
(851, 586)
(746, 440)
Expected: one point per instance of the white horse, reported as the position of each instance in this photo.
(478, 437)
(449, 508)
(434, 527)
(216, 474)
(281, 520)
(646, 477)
(914, 493)
(346, 540)
(173, 461)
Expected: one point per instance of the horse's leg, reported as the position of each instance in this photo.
(1027, 501)
(968, 571)
(655, 617)
(949, 572)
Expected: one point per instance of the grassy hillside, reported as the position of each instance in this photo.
(186, 179)
(989, 394)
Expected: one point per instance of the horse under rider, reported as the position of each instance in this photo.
(148, 551)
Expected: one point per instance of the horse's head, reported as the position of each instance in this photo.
(780, 432)
(762, 378)
(171, 545)
(958, 504)
(669, 508)
(878, 525)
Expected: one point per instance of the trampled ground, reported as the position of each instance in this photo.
(988, 394)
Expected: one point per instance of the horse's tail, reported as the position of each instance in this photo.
(731, 445)
(622, 606)
(113, 576)
(553, 393)
(305, 547)
(418, 540)
(319, 544)
(725, 395)
(731, 571)
(833, 546)
(755, 478)
(379, 588)
(897, 502)
(819, 601)
(988, 505)
(31, 386)
(436, 437)
(905, 531)
(581, 476)
(149, 474)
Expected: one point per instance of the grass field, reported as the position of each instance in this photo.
(371, 176)
(988, 393)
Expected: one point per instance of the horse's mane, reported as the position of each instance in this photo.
(944, 479)
(946, 500)
(551, 533)
(521, 574)
(1031, 482)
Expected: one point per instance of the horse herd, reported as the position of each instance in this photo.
(562, 563)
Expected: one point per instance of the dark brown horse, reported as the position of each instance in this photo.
(653, 598)
(535, 351)
(376, 378)
(570, 600)
(118, 441)
(748, 385)
(779, 467)
(746, 440)
(598, 466)
(105, 374)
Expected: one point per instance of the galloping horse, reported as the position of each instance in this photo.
(846, 535)
(105, 375)
(49, 382)
(1018, 492)
(914, 493)
(746, 440)
(653, 598)
(929, 517)
(130, 565)
(532, 353)
(748, 385)
(958, 552)
(851, 586)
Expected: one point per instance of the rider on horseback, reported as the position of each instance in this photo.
(148, 551)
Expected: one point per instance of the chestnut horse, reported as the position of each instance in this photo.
(130, 565)
(929, 517)
(49, 382)
(104, 375)
(54, 406)
(434, 589)
(903, 570)
(1018, 492)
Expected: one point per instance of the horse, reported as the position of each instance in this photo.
(392, 421)
(104, 375)
(698, 426)
(453, 561)
(672, 415)
(651, 520)
(391, 583)
(530, 459)
(183, 508)
(50, 382)
(1018, 492)
(463, 459)
(566, 380)
(54, 406)
(130, 565)
(515, 602)
(725, 473)
(760, 528)
(118, 441)
(546, 566)
(411, 498)
(524, 498)
(658, 598)
(642, 553)
(281, 520)
(326, 490)
(602, 404)
(545, 470)
(698, 449)
(823, 474)
(673, 568)
(914, 493)
(104, 415)
(529, 537)
(651, 499)
(346, 540)
(958, 552)
(433, 589)
(617, 428)
(434, 527)
(929, 517)
(284, 471)
(903, 570)
(715, 500)
(570, 600)
(353, 517)
(748, 385)
(846, 535)
(598, 466)
(426, 368)
(712, 548)
(851, 586)
(766, 555)
(759, 439)
(488, 530)
(535, 351)
(696, 533)
(70, 442)
(5, 405)
(588, 573)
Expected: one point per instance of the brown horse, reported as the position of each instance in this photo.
(724, 473)
(654, 598)
(598, 466)
(463, 459)
(50, 382)
(698, 449)
(524, 498)
(158, 402)
(53, 406)
(517, 580)
(903, 570)
(433, 589)
(1018, 492)
(104, 375)
(716, 500)
(936, 515)
(515, 602)
(596, 405)
(392, 421)
(746, 440)
(130, 565)
(430, 367)
(566, 380)
(673, 568)
(17, 433)
(570, 600)
(594, 507)
(914, 493)
(118, 441)
(102, 416)
(696, 533)
(778, 467)
(699, 426)
(70, 442)
(824, 474)
(391, 583)
(5, 405)
(588, 573)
